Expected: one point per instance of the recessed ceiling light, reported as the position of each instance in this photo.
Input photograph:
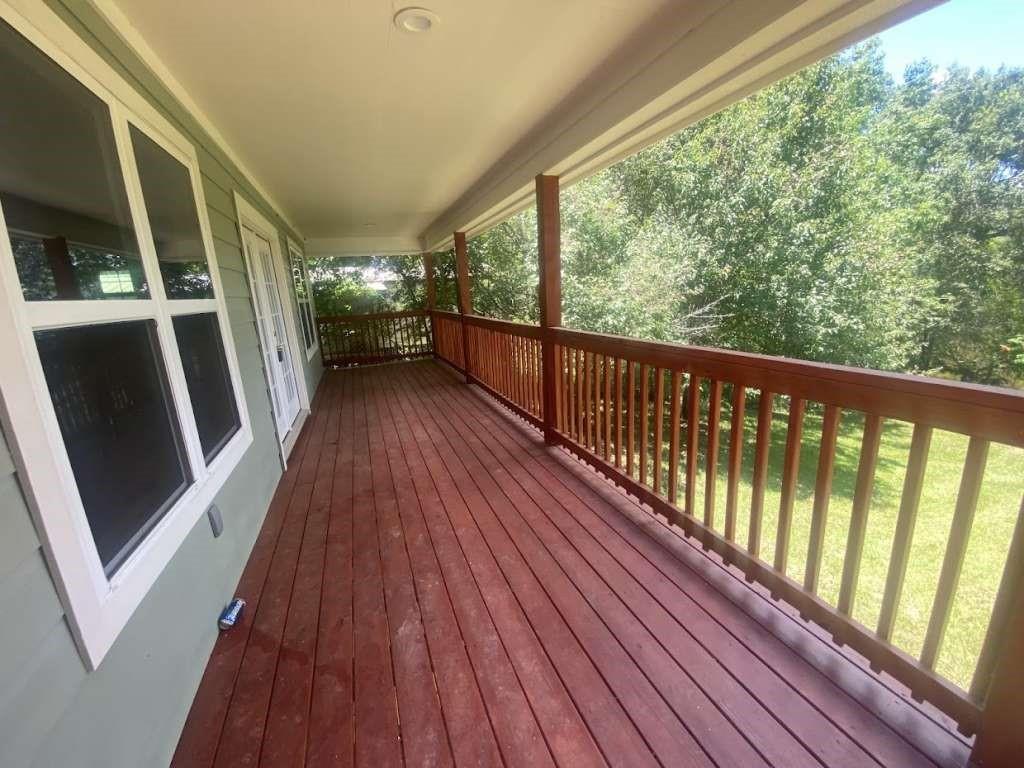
(416, 20)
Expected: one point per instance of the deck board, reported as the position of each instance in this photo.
(435, 586)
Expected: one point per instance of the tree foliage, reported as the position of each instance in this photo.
(346, 285)
(834, 216)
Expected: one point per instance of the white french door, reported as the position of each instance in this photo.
(277, 354)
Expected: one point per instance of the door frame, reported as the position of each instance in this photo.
(251, 218)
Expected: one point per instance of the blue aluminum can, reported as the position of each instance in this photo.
(231, 614)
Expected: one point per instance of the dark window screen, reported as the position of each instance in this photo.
(110, 393)
(209, 384)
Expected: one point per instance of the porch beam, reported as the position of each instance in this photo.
(549, 252)
(465, 295)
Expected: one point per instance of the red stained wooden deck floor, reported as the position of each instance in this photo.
(434, 586)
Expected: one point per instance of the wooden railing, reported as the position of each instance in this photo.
(636, 411)
(649, 416)
(347, 340)
(448, 342)
(504, 358)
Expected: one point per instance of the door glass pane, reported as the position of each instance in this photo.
(61, 186)
(209, 384)
(307, 324)
(109, 390)
(171, 208)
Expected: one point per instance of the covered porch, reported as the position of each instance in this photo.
(436, 585)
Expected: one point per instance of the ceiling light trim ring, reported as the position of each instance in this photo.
(414, 20)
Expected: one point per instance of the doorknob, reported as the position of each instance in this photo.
(280, 354)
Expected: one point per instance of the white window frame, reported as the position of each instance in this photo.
(295, 254)
(98, 607)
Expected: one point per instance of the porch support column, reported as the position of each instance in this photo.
(465, 297)
(431, 298)
(549, 250)
(1000, 740)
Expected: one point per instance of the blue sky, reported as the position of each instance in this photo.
(973, 33)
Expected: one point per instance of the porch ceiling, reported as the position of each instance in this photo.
(371, 139)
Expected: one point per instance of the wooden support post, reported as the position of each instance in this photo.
(465, 297)
(431, 297)
(549, 240)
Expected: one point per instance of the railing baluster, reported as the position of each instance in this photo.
(659, 424)
(574, 415)
(859, 516)
(956, 548)
(711, 476)
(588, 380)
(1008, 596)
(595, 401)
(531, 377)
(520, 372)
(537, 378)
(739, 401)
(559, 404)
(913, 483)
(595, 383)
(764, 436)
(673, 439)
(790, 471)
(618, 412)
(509, 372)
(645, 392)
(607, 407)
(822, 496)
(630, 426)
(581, 422)
(692, 442)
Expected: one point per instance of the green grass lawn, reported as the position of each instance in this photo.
(989, 541)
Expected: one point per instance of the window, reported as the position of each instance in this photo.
(68, 214)
(209, 382)
(304, 298)
(173, 220)
(119, 370)
(109, 390)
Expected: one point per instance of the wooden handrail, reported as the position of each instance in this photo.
(994, 413)
(511, 327)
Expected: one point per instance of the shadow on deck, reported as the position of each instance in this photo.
(435, 586)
